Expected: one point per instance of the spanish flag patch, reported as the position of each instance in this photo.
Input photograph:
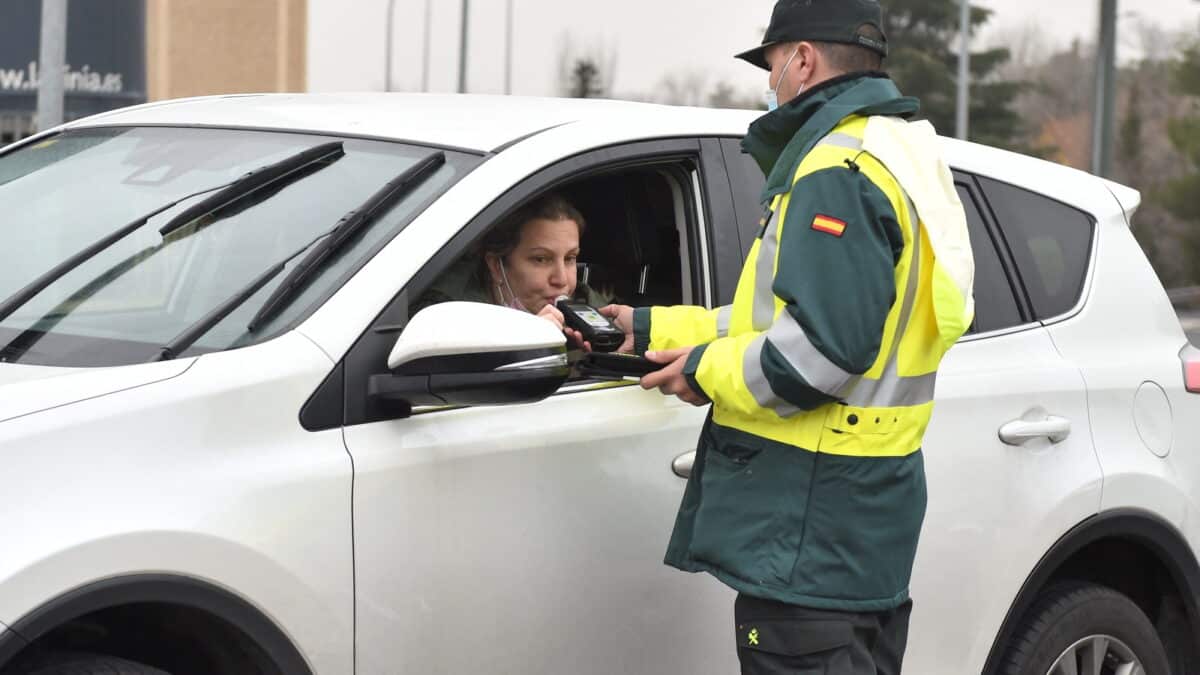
(829, 225)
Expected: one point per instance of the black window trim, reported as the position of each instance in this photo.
(1007, 264)
(346, 383)
(1085, 289)
(1017, 283)
(724, 230)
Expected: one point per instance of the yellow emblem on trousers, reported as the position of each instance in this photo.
(753, 636)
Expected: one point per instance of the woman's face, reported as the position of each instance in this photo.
(542, 266)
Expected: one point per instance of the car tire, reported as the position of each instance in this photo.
(1082, 622)
(79, 663)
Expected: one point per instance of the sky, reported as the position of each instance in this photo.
(645, 41)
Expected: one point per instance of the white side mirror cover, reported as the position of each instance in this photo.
(452, 328)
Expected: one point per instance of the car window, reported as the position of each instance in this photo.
(629, 248)
(995, 305)
(642, 203)
(61, 195)
(1051, 244)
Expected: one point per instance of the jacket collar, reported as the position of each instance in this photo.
(779, 140)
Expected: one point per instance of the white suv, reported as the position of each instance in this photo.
(209, 467)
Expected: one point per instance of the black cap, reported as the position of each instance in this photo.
(820, 21)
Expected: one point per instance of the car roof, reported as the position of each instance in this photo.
(484, 123)
(479, 123)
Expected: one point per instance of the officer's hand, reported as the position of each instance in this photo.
(670, 380)
(622, 317)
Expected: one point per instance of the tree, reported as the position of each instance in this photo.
(585, 73)
(1179, 194)
(923, 35)
(1166, 164)
(585, 80)
(1129, 138)
(724, 95)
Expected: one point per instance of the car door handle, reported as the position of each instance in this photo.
(1017, 432)
(682, 466)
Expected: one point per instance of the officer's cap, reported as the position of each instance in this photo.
(820, 21)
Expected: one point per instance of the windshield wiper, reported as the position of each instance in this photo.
(243, 185)
(330, 240)
(350, 224)
(209, 321)
(290, 167)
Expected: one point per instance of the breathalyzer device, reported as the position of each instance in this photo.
(594, 326)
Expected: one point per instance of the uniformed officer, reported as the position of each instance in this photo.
(808, 489)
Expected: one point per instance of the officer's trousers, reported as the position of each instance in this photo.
(774, 638)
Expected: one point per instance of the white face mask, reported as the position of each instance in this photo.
(514, 302)
(771, 96)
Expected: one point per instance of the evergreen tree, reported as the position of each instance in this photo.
(1179, 195)
(585, 79)
(1129, 139)
(923, 39)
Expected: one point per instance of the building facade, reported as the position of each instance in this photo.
(201, 47)
(106, 60)
(125, 52)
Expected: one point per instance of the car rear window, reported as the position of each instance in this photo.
(1050, 242)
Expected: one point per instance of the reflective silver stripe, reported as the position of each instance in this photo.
(841, 140)
(764, 276)
(789, 338)
(724, 317)
(891, 390)
(756, 381)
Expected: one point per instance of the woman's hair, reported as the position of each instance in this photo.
(504, 238)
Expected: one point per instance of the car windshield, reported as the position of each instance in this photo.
(64, 194)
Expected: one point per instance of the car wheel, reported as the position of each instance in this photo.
(78, 663)
(1087, 630)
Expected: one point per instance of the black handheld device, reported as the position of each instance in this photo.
(595, 327)
(615, 366)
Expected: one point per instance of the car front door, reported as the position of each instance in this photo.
(530, 538)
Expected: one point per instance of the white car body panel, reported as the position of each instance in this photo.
(221, 483)
(1115, 364)
(994, 509)
(213, 447)
(438, 119)
(29, 389)
(442, 585)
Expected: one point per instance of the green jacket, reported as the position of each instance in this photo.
(808, 485)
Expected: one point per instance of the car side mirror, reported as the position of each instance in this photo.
(469, 353)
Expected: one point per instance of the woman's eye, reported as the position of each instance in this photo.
(571, 259)
(541, 260)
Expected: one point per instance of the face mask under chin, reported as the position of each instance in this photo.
(513, 302)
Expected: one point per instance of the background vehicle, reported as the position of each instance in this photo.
(198, 486)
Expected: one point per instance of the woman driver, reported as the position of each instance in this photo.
(527, 262)
(530, 259)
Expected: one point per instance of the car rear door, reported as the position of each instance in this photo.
(1009, 460)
